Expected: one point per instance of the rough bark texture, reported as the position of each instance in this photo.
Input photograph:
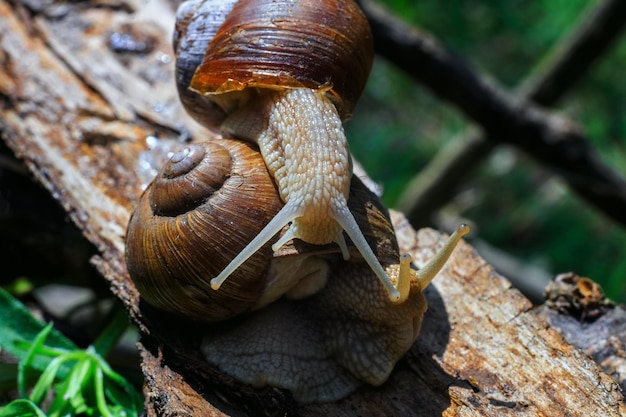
(84, 84)
(577, 308)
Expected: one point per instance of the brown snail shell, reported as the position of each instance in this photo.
(195, 216)
(300, 44)
(322, 44)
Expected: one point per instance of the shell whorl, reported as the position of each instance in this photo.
(199, 212)
(184, 183)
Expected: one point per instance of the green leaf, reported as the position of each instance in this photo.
(89, 386)
(112, 332)
(44, 384)
(18, 326)
(100, 397)
(120, 392)
(117, 389)
(26, 362)
(21, 408)
(70, 394)
(19, 286)
(79, 383)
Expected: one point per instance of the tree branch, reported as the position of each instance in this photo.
(597, 30)
(552, 140)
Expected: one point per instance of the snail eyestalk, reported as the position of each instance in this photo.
(426, 274)
(288, 213)
(345, 218)
(404, 277)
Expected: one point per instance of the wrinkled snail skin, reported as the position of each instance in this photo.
(303, 144)
(324, 347)
(260, 215)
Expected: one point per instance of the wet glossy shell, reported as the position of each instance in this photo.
(278, 44)
(205, 205)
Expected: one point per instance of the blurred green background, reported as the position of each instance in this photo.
(515, 204)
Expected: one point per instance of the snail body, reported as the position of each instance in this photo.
(322, 348)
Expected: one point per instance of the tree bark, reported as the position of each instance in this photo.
(83, 85)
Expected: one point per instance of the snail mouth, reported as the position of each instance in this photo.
(316, 231)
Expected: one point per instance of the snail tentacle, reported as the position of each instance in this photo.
(345, 218)
(428, 272)
(282, 218)
(404, 277)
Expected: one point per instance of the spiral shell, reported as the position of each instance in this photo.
(198, 214)
(322, 44)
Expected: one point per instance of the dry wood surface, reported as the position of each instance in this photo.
(84, 86)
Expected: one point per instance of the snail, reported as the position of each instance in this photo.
(283, 75)
(296, 312)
